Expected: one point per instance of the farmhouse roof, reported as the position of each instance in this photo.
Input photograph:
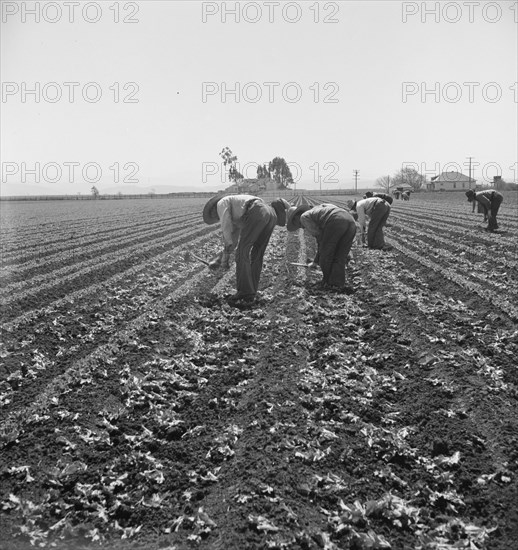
(448, 177)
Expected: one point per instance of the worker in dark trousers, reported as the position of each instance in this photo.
(334, 230)
(247, 224)
(375, 211)
(490, 201)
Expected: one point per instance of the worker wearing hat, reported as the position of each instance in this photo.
(247, 224)
(334, 229)
(490, 201)
(375, 210)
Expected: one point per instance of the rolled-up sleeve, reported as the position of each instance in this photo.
(227, 225)
(310, 225)
(362, 218)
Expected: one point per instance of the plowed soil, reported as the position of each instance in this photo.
(384, 417)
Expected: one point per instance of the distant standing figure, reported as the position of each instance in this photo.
(406, 195)
(384, 196)
(334, 229)
(490, 201)
(376, 211)
(247, 223)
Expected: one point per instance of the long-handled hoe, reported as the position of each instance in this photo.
(189, 256)
(302, 265)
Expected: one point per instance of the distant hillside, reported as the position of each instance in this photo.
(22, 189)
(158, 189)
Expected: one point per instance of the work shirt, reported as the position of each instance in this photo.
(314, 220)
(321, 222)
(485, 197)
(230, 211)
(364, 209)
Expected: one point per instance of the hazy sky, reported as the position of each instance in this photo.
(151, 91)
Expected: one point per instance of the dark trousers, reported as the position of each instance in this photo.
(257, 226)
(496, 201)
(375, 237)
(334, 246)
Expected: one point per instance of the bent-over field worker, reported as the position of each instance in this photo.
(376, 211)
(490, 201)
(334, 229)
(384, 196)
(247, 223)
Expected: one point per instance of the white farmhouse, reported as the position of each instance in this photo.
(450, 181)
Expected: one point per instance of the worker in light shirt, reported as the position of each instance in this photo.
(247, 224)
(334, 230)
(372, 215)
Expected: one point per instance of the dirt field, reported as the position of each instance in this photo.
(139, 410)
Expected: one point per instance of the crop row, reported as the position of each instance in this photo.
(120, 278)
(453, 228)
(104, 217)
(498, 299)
(472, 260)
(146, 313)
(450, 215)
(81, 273)
(84, 255)
(88, 322)
(63, 327)
(448, 204)
(26, 236)
(17, 226)
(42, 245)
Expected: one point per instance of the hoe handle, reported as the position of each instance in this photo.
(199, 259)
(299, 264)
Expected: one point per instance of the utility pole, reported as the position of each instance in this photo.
(469, 181)
(356, 172)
